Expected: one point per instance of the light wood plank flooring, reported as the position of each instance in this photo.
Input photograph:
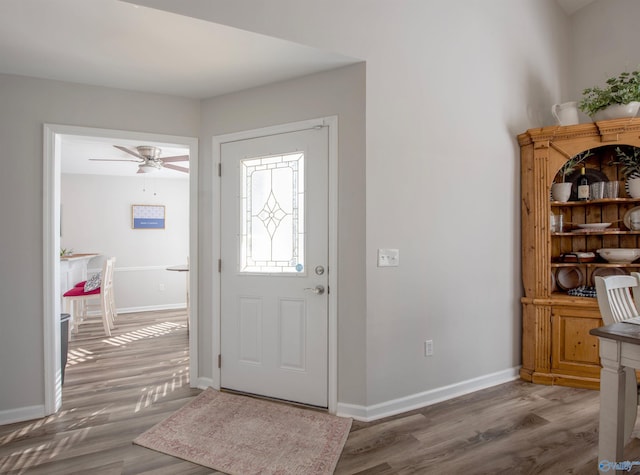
(116, 388)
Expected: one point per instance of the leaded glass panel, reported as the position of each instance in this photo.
(272, 214)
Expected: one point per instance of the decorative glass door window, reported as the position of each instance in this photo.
(272, 214)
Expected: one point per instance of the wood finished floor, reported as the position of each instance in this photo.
(117, 388)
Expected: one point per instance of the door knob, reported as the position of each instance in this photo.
(318, 289)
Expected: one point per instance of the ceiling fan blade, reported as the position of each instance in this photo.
(112, 160)
(176, 168)
(131, 152)
(177, 158)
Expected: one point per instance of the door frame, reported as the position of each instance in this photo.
(332, 351)
(51, 244)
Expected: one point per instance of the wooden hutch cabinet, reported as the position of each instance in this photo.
(556, 345)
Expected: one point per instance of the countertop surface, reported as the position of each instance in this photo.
(71, 257)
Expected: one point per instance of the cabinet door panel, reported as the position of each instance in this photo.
(574, 350)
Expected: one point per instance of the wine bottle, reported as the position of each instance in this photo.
(583, 185)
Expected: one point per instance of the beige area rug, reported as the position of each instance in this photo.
(243, 435)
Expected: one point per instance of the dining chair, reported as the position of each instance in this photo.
(616, 297)
(618, 300)
(77, 300)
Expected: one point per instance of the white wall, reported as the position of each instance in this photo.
(448, 87)
(96, 217)
(25, 105)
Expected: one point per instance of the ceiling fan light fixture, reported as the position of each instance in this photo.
(146, 168)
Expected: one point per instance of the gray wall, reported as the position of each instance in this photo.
(28, 103)
(449, 85)
(25, 105)
(339, 92)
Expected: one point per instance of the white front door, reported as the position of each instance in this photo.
(274, 270)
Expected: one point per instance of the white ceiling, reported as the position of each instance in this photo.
(116, 44)
(121, 45)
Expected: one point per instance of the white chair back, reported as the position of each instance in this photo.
(78, 303)
(615, 298)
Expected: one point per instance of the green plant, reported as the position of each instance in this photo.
(570, 165)
(65, 252)
(628, 158)
(621, 89)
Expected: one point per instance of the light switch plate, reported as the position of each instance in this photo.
(388, 257)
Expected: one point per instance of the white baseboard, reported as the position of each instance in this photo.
(148, 308)
(427, 398)
(357, 412)
(202, 383)
(21, 414)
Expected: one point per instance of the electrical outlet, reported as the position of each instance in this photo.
(428, 348)
(161, 287)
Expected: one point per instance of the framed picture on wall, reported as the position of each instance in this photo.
(147, 216)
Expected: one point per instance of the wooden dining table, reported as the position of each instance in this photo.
(619, 349)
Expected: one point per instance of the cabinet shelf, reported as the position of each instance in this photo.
(595, 233)
(594, 264)
(563, 204)
(574, 299)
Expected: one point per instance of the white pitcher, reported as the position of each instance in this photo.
(566, 113)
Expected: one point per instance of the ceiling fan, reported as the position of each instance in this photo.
(148, 159)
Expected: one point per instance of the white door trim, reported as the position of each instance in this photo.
(51, 246)
(332, 123)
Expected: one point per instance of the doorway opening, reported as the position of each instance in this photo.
(54, 138)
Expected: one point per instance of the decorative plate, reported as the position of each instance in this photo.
(593, 176)
(605, 271)
(627, 217)
(594, 225)
(568, 278)
(626, 181)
